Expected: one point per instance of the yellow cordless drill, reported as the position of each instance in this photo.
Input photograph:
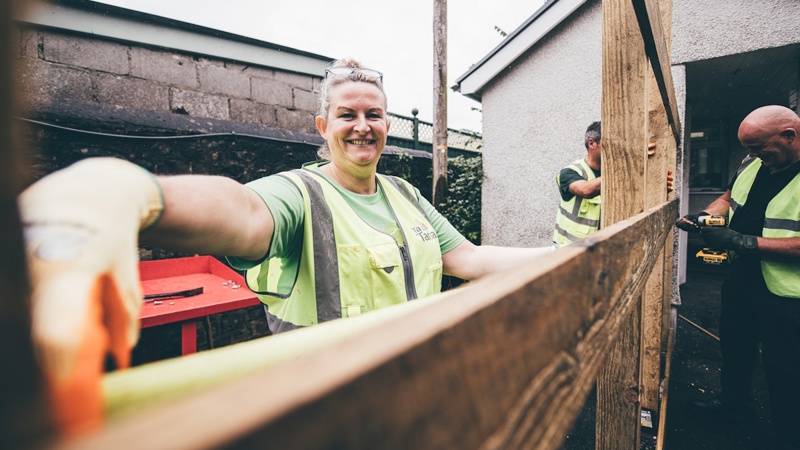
(709, 255)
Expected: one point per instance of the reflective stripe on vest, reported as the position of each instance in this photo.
(782, 220)
(346, 267)
(578, 217)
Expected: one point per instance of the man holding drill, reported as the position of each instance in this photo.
(761, 293)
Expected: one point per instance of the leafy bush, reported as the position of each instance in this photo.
(462, 207)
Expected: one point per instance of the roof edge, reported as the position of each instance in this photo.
(113, 22)
(536, 27)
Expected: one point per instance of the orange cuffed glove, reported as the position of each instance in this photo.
(81, 229)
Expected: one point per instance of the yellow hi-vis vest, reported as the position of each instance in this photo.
(782, 220)
(578, 217)
(346, 267)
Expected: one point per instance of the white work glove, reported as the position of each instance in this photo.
(81, 227)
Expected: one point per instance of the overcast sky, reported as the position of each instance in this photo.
(393, 36)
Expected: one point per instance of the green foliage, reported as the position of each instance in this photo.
(404, 162)
(462, 207)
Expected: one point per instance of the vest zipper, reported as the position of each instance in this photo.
(408, 270)
(408, 266)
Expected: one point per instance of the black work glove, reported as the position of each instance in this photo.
(689, 221)
(721, 237)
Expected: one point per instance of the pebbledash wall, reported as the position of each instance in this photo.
(96, 80)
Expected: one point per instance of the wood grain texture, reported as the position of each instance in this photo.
(657, 164)
(656, 37)
(662, 413)
(623, 190)
(660, 124)
(503, 363)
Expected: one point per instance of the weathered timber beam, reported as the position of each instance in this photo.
(657, 292)
(657, 51)
(503, 363)
(662, 415)
(624, 117)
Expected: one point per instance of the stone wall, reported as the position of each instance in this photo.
(57, 66)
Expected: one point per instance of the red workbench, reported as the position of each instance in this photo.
(178, 274)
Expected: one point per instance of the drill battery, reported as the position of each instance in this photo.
(712, 221)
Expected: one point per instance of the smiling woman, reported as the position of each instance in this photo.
(369, 220)
(354, 123)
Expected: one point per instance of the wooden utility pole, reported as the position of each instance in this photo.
(439, 101)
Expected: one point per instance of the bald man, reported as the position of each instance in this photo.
(761, 293)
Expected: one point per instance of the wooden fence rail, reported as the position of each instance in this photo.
(504, 363)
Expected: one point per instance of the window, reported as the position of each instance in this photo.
(708, 162)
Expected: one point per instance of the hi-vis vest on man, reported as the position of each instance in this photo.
(782, 220)
(347, 267)
(578, 217)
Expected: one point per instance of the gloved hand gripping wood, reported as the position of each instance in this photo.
(81, 231)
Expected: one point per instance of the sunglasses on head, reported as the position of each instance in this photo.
(344, 71)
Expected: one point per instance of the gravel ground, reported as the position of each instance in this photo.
(695, 370)
(696, 365)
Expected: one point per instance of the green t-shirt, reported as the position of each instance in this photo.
(286, 205)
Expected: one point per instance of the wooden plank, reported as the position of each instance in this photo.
(655, 40)
(652, 310)
(657, 164)
(503, 363)
(656, 395)
(624, 145)
(654, 299)
(662, 416)
(622, 113)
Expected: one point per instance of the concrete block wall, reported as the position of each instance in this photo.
(56, 66)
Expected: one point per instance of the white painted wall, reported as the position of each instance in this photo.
(704, 29)
(534, 118)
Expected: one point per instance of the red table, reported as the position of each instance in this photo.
(178, 274)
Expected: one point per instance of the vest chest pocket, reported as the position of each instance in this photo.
(589, 203)
(582, 231)
(435, 272)
(355, 280)
(386, 270)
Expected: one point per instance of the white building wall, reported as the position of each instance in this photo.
(704, 29)
(535, 115)
(536, 111)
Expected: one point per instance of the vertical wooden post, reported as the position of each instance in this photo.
(624, 146)
(439, 101)
(657, 164)
(24, 421)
